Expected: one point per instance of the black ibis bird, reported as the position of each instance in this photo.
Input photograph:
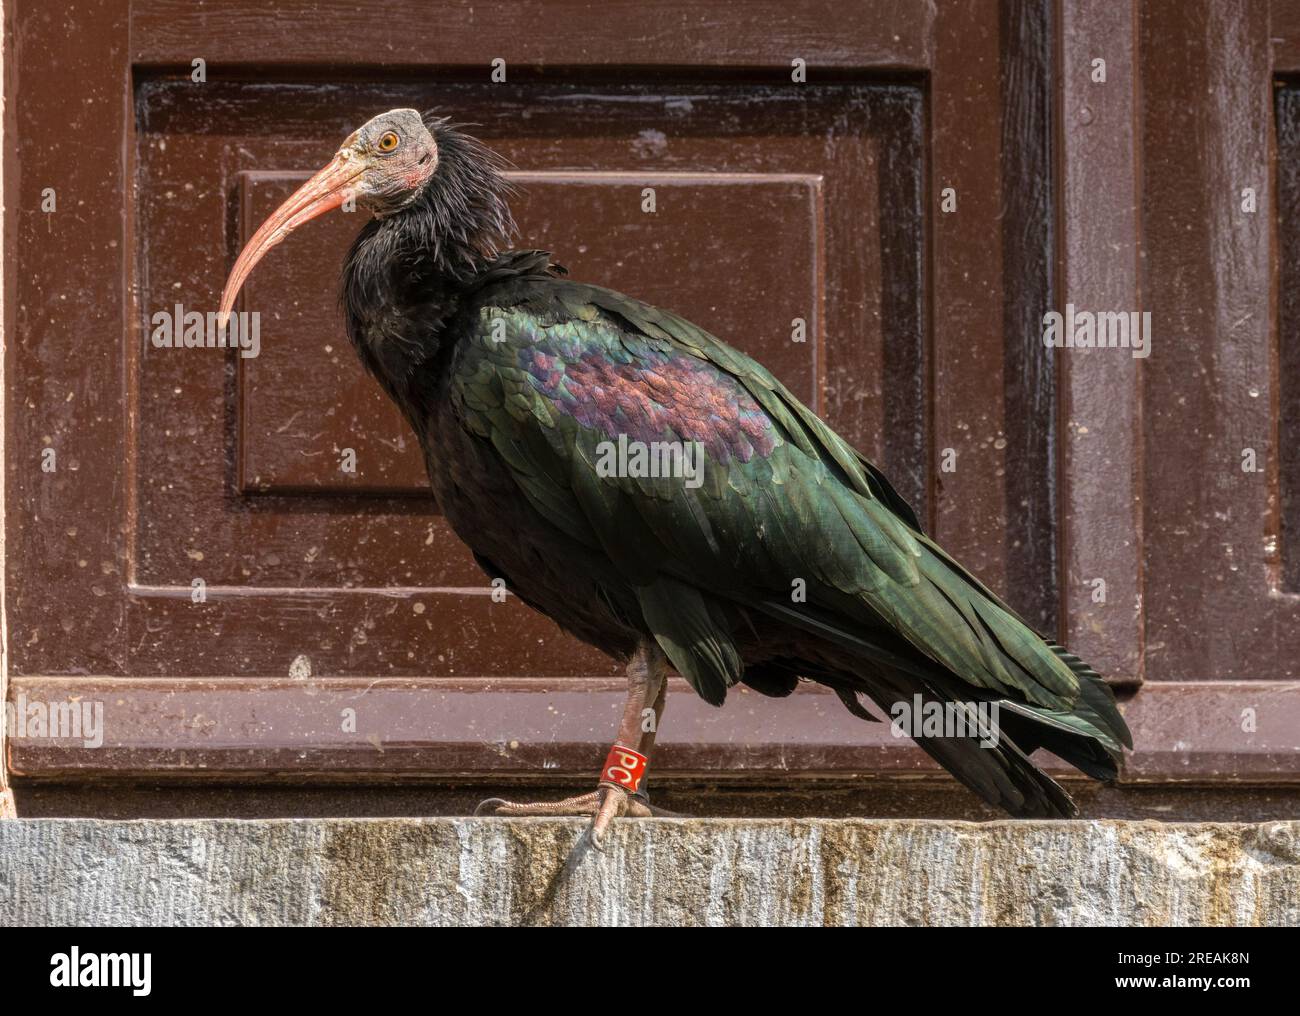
(764, 550)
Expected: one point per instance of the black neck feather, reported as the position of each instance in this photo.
(404, 273)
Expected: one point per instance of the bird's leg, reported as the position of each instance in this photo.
(622, 784)
(621, 790)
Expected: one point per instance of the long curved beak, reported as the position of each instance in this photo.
(322, 193)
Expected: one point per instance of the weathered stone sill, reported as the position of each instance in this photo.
(463, 871)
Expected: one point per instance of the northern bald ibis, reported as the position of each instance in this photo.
(765, 550)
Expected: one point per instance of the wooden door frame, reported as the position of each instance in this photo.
(95, 170)
(7, 808)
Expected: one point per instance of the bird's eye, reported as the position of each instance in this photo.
(389, 142)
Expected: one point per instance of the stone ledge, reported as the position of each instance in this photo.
(458, 871)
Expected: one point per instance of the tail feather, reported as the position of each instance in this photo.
(1002, 776)
(989, 762)
(1087, 733)
(1096, 694)
(1085, 753)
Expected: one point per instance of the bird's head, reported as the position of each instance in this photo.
(388, 161)
(386, 166)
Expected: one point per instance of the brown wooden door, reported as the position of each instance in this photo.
(943, 176)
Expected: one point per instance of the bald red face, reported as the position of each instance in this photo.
(383, 166)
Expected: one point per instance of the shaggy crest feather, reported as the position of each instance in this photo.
(420, 255)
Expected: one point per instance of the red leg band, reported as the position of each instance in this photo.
(624, 768)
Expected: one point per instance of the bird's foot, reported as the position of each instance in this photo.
(603, 805)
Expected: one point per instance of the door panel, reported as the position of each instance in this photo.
(1216, 604)
(763, 229)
